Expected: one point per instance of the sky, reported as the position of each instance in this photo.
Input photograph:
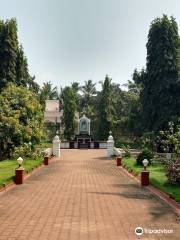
(77, 40)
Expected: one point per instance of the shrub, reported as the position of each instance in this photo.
(127, 154)
(170, 140)
(21, 119)
(173, 173)
(149, 141)
(145, 154)
(127, 151)
(27, 151)
(22, 151)
(38, 153)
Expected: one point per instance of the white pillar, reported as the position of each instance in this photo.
(89, 125)
(78, 126)
(56, 146)
(110, 146)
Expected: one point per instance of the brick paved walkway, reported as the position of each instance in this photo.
(82, 196)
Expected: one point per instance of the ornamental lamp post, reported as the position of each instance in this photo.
(145, 174)
(119, 159)
(145, 163)
(46, 157)
(19, 172)
(20, 161)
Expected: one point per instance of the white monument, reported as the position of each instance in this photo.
(110, 145)
(56, 146)
(84, 125)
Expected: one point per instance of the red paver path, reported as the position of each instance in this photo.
(82, 196)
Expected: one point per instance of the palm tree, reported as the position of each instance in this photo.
(88, 90)
(75, 87)
(48, 93)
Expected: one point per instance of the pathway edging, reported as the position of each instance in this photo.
(160, 194)
(12, 184)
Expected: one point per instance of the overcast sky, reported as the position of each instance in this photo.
(77, 40)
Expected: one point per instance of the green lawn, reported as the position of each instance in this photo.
(7, 168)
(126, 141)
(157, 177)
(44, 145)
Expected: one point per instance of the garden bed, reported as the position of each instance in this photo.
(157, 177)
(44, 145)
(7, 169)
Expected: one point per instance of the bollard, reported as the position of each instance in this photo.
(19, 175)
(145, 178)
(119, 161)
(56, 146)
(110, 145)
(46, 160)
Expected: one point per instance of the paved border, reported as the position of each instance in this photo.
(161, 195)
(12, 184)
(83, 196)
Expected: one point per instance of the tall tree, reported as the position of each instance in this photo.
(75, 87)
(13, 62)
(33, 85)
(48, 93)
(179, 59)
(22, 72)
(69, 112)
(88, 90)
(8, 52)
(160, 97)
(133, 103)
(105, 109)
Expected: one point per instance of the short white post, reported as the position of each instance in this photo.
(110, 145)
(56, 146)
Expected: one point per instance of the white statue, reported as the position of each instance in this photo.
(84, 125)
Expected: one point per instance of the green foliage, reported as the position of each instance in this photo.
(149, 141)
(28, 151)
(76, 88)
(8, 52)
(117, 110)
(88, 91)
(158, 177)
(161, 86)
(7, 168)
(134, 114)
(170, 139)
(138, 79)
(87, 103)
(173, 173)
(156, 87)
(132, 142)
(130, 118)
(51, 129)
(145, 154)
(127, 151)
(32, 85)
(24, 150)
(69, 112)
(179, 59)
(48, 93)
(105, 110)
(21, 119)
(22, 72)
(127, 110)
(13, 63)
